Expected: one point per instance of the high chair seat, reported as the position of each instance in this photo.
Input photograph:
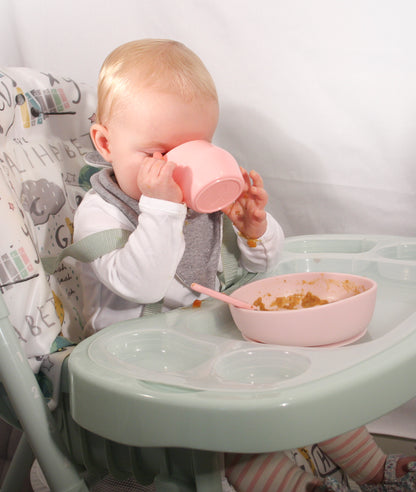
(44, 132)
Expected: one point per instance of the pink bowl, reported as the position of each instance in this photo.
(209, 176)
(351, 302)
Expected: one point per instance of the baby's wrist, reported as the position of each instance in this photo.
(254, 233)
(264, 231)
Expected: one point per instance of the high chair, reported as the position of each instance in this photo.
(44, 135)
(203, 390)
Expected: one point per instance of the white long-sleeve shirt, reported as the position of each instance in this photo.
(117, 285)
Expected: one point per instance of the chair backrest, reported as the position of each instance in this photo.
(44, 134)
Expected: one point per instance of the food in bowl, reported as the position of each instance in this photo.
(301, 299)
(306, 309)
(294, 301)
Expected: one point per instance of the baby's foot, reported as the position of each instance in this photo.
(398, 475)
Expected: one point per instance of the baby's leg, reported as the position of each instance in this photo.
(356, 453)
(267, 472)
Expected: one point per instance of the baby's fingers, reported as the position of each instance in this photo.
(257, 180)
(158, 155)
(150, 168)
(166, 169)
(259, 194)
(246, 178)
(259, 215)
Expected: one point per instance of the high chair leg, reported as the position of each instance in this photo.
(19, 468)
(173, 475)
(189, 471)
(33, 413)
(207, 471)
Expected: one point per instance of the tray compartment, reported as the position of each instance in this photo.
(260, 366)
(318, 246)
(356, 266)
(401, 251)
(400, 262)
(159, 351)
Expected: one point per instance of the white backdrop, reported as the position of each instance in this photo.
(318, 96)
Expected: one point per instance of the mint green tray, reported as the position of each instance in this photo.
(188, 377)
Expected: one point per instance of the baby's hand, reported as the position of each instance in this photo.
(155, 179)
(247, 212)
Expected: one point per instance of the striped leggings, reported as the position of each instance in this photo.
(355, 452)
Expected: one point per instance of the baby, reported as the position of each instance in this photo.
(154, 95)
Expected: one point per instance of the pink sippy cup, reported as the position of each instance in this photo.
(209, 176)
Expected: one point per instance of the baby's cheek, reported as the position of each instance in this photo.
(127, 180)
(131, 189)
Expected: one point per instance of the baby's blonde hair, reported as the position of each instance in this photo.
(160, 64)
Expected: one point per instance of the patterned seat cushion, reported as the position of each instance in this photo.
(44, 134)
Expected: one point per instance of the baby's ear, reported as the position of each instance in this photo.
(99, 136)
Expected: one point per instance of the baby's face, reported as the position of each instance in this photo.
(155, 122)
